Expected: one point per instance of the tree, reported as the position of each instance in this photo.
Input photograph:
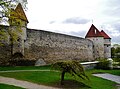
(6, 8)
(113, 52)
(117, 52)
(72, 67)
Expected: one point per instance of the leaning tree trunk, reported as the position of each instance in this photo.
(62, 77)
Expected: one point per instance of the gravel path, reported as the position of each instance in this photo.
(111, 77)
(23, 84)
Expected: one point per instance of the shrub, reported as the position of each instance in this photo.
(116, 59)
(103, 64)
(72, 67)
(22, 62)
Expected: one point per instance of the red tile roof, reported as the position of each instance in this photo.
(105, 35)
(93, 32)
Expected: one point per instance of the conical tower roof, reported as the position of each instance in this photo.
(19, 13)
(93, 32)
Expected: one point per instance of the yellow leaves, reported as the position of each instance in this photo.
(3, 36)
(18, 13)
(10, 35)
(15, 33)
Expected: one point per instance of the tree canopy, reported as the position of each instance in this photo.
(6, 6)
(72, 67)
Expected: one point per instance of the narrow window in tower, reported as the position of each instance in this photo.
(95, 31)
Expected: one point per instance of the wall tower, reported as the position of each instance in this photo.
(98, 40)
(101, 41)
(18, 25)
(107, 45)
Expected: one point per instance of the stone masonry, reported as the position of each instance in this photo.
(54, 46)
(49, 47)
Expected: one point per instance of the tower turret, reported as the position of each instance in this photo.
(18, 25)
(107, 45)
(98, 40)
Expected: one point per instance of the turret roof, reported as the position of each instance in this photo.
(105, 35)
(93, 32)
(19, 13)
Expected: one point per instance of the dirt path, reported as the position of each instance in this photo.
(23, 84)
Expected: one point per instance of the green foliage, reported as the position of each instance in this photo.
(115, 52)
(103, 64)
(5, 86)
(22, 62)
(6, 6)
(3, 36)
(72, 67)
(112, 52)
(116, 59)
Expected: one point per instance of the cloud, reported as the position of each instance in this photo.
(76, 17)
(78, 34)
(52, 22)
(112, 8)
(76, 20)
(116, 40)
(113, 30)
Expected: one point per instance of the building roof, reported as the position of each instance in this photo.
(19, 13)
(105, 35)
(93, 32)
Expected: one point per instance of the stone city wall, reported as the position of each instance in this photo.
(51, 47)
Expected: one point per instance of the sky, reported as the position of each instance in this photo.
(74, 17)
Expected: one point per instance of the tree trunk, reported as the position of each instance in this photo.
(11, 44)
(62, 77)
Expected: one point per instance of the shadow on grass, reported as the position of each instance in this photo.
(72, 84)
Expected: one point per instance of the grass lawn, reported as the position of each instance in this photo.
(25, 68)
(5, 86)
(52, 78)
(115, 72)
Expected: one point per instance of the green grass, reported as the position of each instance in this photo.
(25, 68)
(43, 77)
(99, 83)
(5, 86)
(52, 78)
(115, 72)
